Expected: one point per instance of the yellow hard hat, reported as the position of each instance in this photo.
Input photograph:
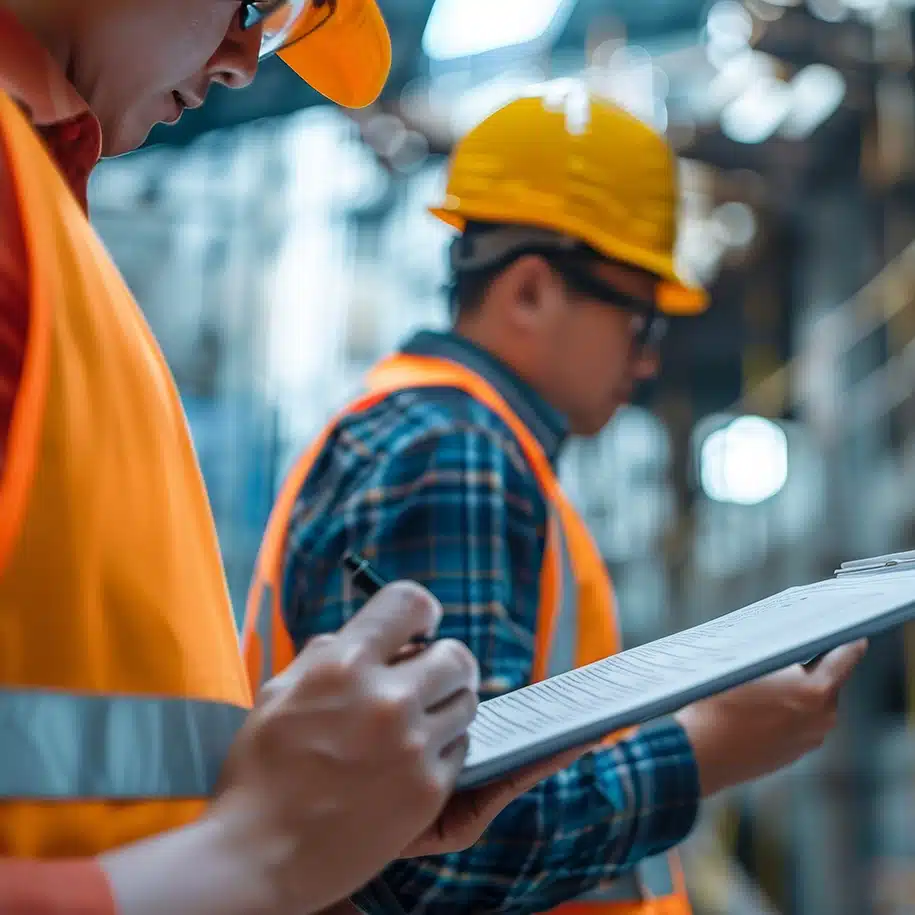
(582, 167)
(339, 47)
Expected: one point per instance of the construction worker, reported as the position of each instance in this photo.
(444, 472)
(122, 689)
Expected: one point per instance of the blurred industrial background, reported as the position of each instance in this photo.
(280, 245)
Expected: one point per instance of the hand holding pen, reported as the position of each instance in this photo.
(369, 581)
(466, 816)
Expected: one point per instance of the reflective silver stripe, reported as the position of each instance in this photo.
(650, 879)
(62, 746)
(565, 629)
(265, 632)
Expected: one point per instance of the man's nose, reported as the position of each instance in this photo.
(235, 62)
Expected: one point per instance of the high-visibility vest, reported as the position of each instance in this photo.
(576, 619)
(121, 680)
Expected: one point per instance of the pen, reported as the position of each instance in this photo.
(810, 663)
(370, 582)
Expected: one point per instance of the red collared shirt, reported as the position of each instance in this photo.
(32, 78)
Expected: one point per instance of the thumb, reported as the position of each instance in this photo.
(492, 799)
(837, 666)
(469, 813)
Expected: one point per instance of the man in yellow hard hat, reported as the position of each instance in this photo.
(122, 691)
(444, 472)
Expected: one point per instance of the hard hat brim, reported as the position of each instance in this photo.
(675, 296)
(347, 59)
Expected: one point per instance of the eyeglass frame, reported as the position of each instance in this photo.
(250, 17)
(578, 280)
(648, 336)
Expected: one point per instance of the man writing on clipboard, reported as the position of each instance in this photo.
(444, 472)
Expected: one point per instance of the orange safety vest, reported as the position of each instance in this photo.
(121, 681)
(576, 599)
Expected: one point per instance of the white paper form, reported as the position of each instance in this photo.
(652, 680)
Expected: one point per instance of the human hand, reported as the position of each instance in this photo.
(770, 723)
(468, 813)
(354, 750)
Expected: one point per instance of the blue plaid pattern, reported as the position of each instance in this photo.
(432, 486)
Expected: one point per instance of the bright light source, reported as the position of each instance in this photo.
(632, 80)
(866, 6)
(736, 223)
(728, 30)
(474, 105)
(817, 92)
(740, 72)
(729, 21)
(754, 116)
(829, 10)
(745, 463)
(463, 28)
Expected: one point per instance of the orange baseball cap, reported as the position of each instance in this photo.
(341, 48)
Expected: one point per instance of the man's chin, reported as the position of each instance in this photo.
(123, 138)
(592, 426)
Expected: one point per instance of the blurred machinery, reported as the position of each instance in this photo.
(277, 257)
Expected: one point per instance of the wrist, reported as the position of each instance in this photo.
(75, 886)
(220, 865)
(700, 732)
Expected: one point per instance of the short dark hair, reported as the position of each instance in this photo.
(468, 287)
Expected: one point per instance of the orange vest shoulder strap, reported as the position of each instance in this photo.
(597, 634)
(400, 371)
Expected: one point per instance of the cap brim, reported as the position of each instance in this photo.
(679, 299)
(347, 59)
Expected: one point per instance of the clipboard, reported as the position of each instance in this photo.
(864, 598)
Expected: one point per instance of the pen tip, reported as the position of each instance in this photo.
(352, 561)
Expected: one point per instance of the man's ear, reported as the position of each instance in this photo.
(530, 289)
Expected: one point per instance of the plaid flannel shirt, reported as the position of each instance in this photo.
(433, 487)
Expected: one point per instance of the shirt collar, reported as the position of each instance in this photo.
(31, 76)
(547, 425)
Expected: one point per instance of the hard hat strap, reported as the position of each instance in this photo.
(483, 246)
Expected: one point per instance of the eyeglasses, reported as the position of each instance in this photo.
(647, 326)
(280, 19)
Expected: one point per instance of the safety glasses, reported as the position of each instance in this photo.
(285, 22)
(647, 325)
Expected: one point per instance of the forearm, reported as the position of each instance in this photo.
(590, 823)
(652, 782)
(198, 870)
(208, 868)
(220, 865)
(54, 888)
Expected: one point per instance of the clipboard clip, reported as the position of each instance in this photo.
(891, 562)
